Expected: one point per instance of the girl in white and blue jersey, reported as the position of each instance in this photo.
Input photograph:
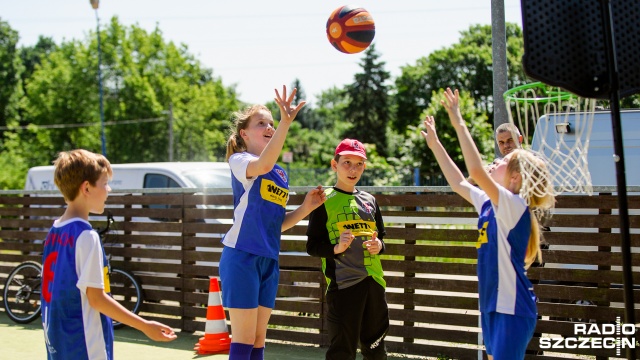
(509, 238)
(249, 263)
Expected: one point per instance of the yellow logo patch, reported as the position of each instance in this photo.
(274, 193)
(107, 283)
(482, 235)
(357, 227)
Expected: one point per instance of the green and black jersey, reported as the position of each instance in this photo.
(358, 212)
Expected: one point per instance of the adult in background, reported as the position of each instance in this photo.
(508, 138)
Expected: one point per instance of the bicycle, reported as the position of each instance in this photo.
(22, 289)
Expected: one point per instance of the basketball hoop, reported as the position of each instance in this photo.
(558, 124)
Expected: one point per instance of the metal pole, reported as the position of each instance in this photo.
(170, 132)
(102, 134)
(618, 147)
(500, 73)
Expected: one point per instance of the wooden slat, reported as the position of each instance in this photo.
(432, 301)
(418, 332)
(587, 239)
(432, 317)
(460, 252)
(429, 267)
(601, 221)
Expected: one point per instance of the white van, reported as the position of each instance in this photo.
(148, 176)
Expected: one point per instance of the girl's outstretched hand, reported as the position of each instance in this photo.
(451, 102)
(287, 113)
(429, 133)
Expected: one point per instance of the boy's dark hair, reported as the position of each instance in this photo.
(74, 167)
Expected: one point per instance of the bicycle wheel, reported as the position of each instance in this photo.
(21, 296)
(126, 290)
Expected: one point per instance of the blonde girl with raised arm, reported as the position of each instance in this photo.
(509, 194)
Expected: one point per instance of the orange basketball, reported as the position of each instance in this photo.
(350, 29)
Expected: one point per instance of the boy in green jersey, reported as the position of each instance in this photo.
(346, 232)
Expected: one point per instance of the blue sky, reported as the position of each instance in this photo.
(259, 45)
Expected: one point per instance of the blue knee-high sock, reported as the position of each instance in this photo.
(239, 351)
(257, 353)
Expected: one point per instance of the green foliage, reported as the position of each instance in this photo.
(466, 65)
(32, 56)
(314, 148)
(13, 162)
(10, 69)
(143, 78)
(418, 154)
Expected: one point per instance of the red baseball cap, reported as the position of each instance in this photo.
(351, 147)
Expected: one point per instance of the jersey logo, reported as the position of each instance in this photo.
(47, 275)
(274, 193)
(107, 283)
(357, 227)
(482, 235)
(282, 175)
(367, 207)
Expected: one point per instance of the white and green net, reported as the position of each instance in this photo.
(556, 125)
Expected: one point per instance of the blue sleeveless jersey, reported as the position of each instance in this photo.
(259, 208)
(73, 260)
(502, 245)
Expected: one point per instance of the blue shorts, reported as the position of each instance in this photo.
(248, 280)
(506, 336)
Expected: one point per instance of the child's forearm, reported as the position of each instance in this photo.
(291, 218)
(106, 305)
(271, 152)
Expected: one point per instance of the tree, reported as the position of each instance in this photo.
(303, 115)
(10, 69)
(143, 76)
(315, 147)
(417, 154)
(368, 108)
(466, 65)
(32, 56)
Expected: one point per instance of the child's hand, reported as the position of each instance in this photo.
(430, 133)
(158, 332)
(345, 241)
(315, 198)
(452, 104)
(374, 246)
(287, 114)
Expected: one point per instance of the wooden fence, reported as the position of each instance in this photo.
(171, 242)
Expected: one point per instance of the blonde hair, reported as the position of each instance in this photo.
(235, 143)
(536, 188)
(72, 168)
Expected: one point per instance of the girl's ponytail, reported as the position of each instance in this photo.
(233, 146)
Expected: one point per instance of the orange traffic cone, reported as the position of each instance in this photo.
(216, 335)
